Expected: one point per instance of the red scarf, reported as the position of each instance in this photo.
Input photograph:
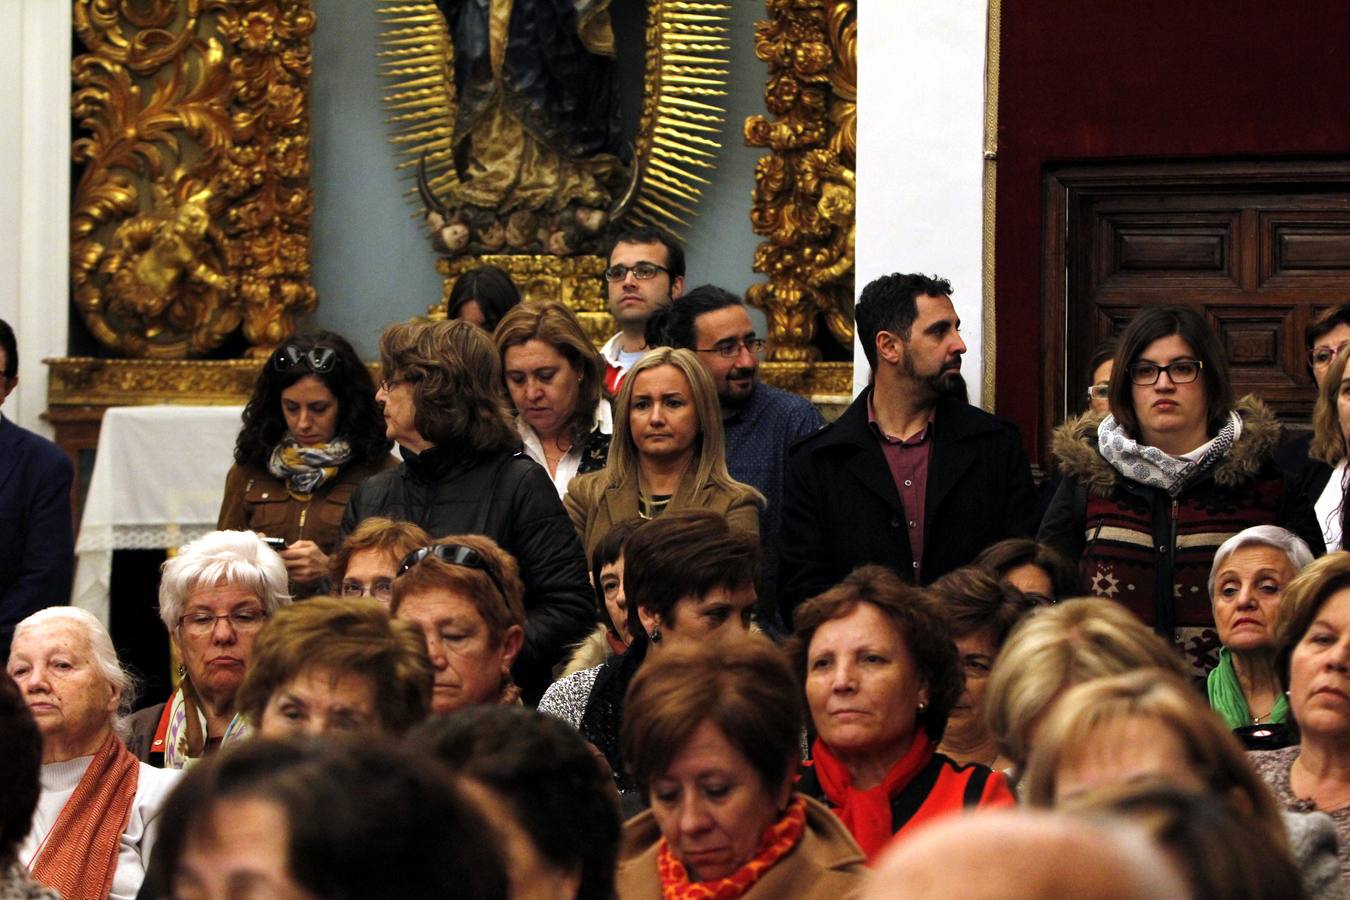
(79, 855)
(867, 814)
(778, 841)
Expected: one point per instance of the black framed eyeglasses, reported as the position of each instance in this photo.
(643, 271)
(291, 357)
(731, 346)
(455, 555)
(1181, 371)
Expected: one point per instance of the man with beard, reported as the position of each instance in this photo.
(910, 476)
(760, 422)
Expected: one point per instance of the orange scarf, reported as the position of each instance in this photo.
(867, 814)
(79, 855)
(778, 841)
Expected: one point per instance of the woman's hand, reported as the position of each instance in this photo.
(305, 562)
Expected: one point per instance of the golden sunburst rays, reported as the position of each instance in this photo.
(417, 62)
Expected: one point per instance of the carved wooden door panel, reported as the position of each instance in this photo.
(1258, 248)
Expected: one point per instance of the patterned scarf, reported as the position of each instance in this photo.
(1148, 465)
(185, 743)
(305, 468)
(867, 814)
(778, 841)
(79, 855)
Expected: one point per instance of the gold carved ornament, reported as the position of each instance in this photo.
(191, 214)
(805, 189)
(547, 226)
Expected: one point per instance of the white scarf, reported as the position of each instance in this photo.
(1148, 465)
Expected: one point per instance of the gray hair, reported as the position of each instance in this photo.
(1291, 545)
(238, 558)
(104, 655)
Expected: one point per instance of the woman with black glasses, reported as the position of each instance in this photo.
(1177, 468)
(311, 434)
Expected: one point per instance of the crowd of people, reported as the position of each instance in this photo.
(524, 618)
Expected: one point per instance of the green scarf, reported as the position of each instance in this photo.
(1226, 699)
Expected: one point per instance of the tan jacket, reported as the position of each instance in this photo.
(595, 507)
(826, 865)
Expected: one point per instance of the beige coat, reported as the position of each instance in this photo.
(595, 507)
(826, 865)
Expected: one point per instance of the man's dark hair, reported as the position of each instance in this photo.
(550, 781)
(890, 304)
(680, 318)
(21, 750)
(11, 348)
(649, 235)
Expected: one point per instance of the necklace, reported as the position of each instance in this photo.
(1333, 802)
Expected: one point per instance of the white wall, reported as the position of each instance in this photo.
(920, 144)
(34, 193)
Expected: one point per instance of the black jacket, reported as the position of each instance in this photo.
(841, 508)
(443, 492)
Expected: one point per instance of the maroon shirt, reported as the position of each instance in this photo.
(908, 462)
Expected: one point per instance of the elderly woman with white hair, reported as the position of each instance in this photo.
(214, 597)
(1246, 583)
(95, 822)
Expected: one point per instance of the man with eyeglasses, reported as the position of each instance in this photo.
(911, 476)
(645, 273)
(1326, 336)
(760, 421)
(37, 541)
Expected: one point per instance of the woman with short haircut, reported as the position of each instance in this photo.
(444, 405)
(94, 828)
(712, 739)
(215, 596)
(330, 665)
(688, 576)
(553, 377)
(482, 296)
(1178, 467)
(21, 749)
(366, 563)
(311, 434)
(880, 672)
(1056, 647)
(611, 636)
(338, 820)
(667, 453)
(981, 612)
(541, 784)
(1248, 578)
(1031, 567)
(464, 595)
(1312, 632)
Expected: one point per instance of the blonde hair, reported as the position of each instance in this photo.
(710, 457)
(1328, 443)
(556, 325)
(1214, 753)
(1059, 646)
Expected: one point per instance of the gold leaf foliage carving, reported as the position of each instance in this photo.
(191, 212)
(804, 195)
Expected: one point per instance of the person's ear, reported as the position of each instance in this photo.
(676, 287)
(648, 619)
(512, 641)
(890, 347)
(784, 794)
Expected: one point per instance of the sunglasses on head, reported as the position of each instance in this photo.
(291, 357)
(455, 555)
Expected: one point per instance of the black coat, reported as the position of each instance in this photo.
(443, 492)
(841, 509)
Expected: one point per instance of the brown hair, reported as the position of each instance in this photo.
(1014, 553)
(1303, 599)
(499, 609)
(1215, 754)
(916, 617)
(1328, 443)
(456, 379)
(1153, 323)
(396, 539)
(684, 553)
(740, 683)
(556, 325)
(976, 602)
(344, 636)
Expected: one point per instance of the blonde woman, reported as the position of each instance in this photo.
(667, 453)
(1322, 483)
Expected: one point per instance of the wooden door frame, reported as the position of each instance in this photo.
(1068, 184)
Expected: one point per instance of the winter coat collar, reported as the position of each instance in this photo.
(1074, 446)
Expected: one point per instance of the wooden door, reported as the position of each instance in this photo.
(1258, 247)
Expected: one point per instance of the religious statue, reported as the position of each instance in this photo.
(539, 160)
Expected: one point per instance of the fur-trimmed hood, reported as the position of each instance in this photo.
(1074, 446)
